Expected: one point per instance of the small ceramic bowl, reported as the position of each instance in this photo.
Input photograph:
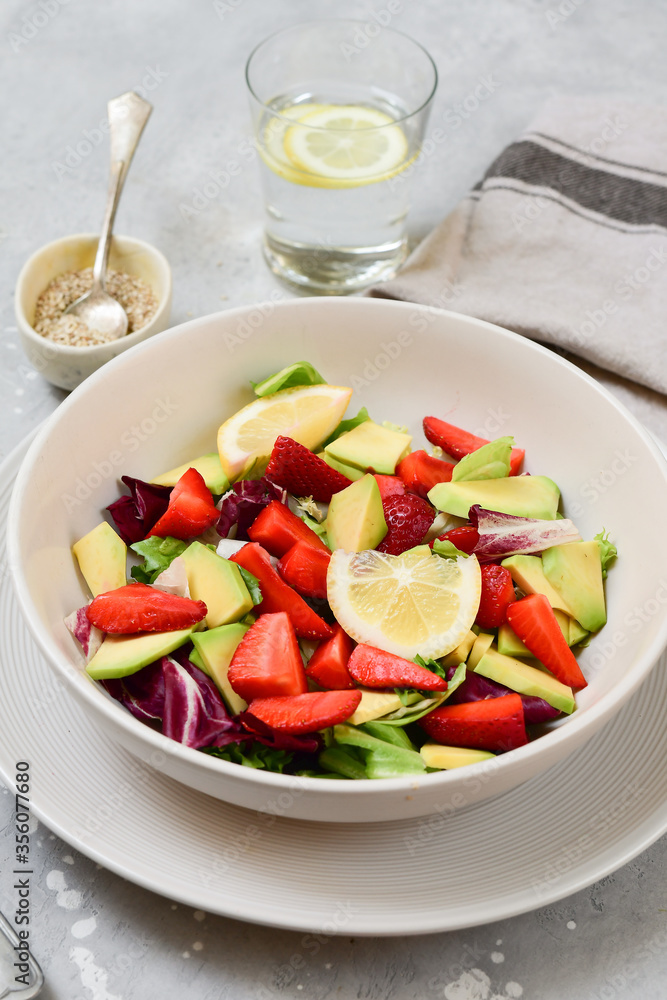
(67, 366)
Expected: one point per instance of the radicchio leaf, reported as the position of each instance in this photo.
(88, 636)
(478, 688)
(142, 693)
(502, 535)
(136, 514)
(193, 710)
(242, 504)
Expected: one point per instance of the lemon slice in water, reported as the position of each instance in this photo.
(414, 603)
(345, 146)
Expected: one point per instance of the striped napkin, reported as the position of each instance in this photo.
(564, 240)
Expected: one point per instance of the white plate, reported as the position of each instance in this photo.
(534, 845)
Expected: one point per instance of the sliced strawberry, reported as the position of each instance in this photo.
(533, 620)
(497, 595)
(459, 443)
(305, 713)
(408, 519)
(136, 607)
(305, 567)
(375, 668)
(328, 664)
(267, 661)
(298, 471)
(464, 537)
(421, 472)
(277, 529)
(495, 724)
(389, 486)
(278, 595)
(191, 509)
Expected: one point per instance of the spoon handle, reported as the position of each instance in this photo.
(128, 115)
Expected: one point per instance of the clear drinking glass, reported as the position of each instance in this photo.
(339, 112)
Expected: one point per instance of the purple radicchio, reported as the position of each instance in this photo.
(243, 502)
(135, 515)
(194, 713)
(478, 688)
(142, 693)
(502, 535)
(87, 635)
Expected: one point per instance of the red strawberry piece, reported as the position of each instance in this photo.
(277, 529)
(304, 713)
(389, 486)
(464, 537)
(375, 668)
(136, 607)
(328, 664)
(533, 620)
(421, 472)
(495, 724)
(408, 519)
(305, 567)
(267, 661)
(191, 509)
(297, 470)
(278, 595)
(497, 595)
(459, 443)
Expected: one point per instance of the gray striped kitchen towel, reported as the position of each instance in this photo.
(564, 240)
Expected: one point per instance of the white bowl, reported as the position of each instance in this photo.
(161, 404)
(67, 366)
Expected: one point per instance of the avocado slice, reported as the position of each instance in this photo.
(218, 583)
(209, 468)
(345, 470)
(370, 446)
(525, 679)
(121, 655)
(446, 758)
(374, 705)
(524, 496)
(216, 647)
(356, 519)
(480, 646)
(575, 571)
(461, 653)
(509, 643)
(102, 559)
(528, 573)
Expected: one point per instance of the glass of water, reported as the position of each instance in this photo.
(339, 112)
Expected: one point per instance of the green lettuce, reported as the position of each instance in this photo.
(491, 461)
(300, 373)
(252, 584)
(447, 549)
(608, 550)
(158, 554)
(253, 755)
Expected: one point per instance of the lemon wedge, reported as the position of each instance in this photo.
(308, 414)
(413, 604)
(337, 146)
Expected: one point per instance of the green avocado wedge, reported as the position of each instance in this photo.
(525, 679)
(524, 496)
(122, 655)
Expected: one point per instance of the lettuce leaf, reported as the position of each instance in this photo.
(447, 549)
(300, 373)
(405, 716)
(158, 554)
(608, 550)
(491, 461)
(250, 753)
(252, 583)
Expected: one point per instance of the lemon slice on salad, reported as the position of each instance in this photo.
(345, 146)
(413, 604)
(308, 414)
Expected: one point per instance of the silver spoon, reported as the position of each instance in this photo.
(128, 115)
